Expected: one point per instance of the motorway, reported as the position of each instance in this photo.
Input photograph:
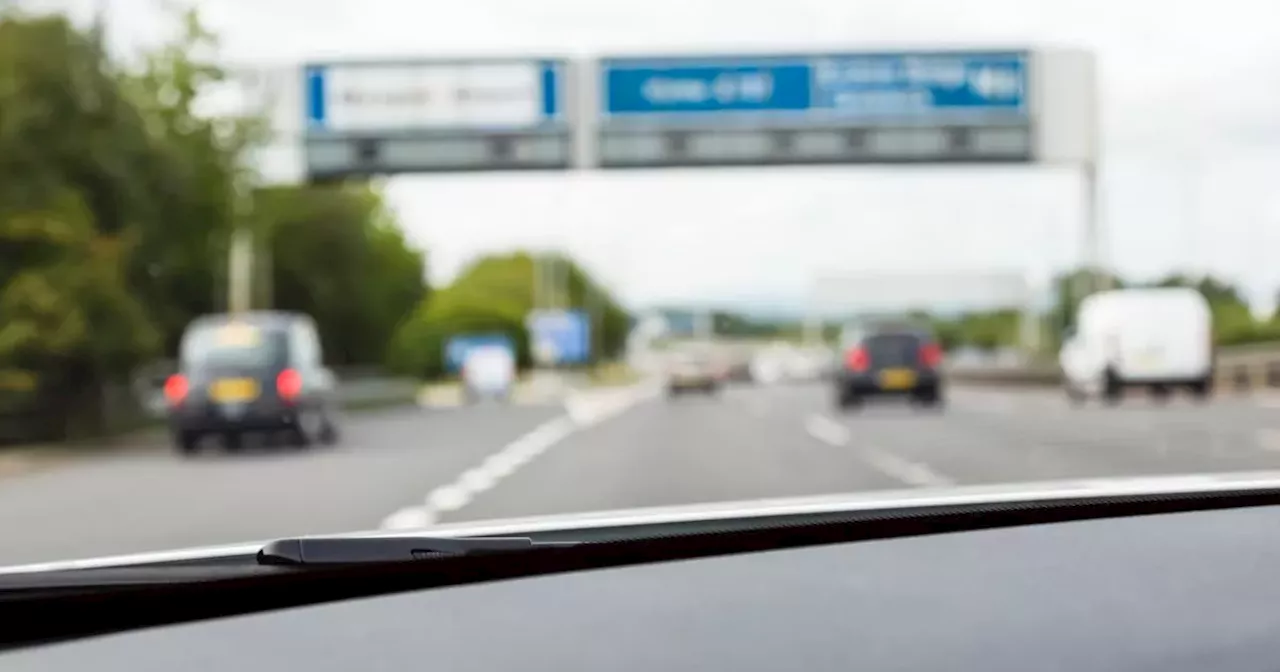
(610, 449)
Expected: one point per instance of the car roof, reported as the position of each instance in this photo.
(897, 330)
(258, 318)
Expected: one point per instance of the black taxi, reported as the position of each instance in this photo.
(890, 361)
(251, 373)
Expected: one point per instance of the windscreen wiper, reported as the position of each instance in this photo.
(357, 550)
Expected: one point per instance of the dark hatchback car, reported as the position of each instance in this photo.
(899, 362)
(251, 373)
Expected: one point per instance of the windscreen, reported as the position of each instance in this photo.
(893, 349)
(233, 346)
(671, 253)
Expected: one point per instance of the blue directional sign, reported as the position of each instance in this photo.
(923, 107)
(560, 336)
(899, 86)
(456, 349)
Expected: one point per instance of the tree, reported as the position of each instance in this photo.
(495, 295)
(189, 180)
(339, 255)
(69, 141)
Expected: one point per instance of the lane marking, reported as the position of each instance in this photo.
(408, 518)
(826, 430)
(1268, 439)
(1269, 401)
(581, 412)
(912, 473)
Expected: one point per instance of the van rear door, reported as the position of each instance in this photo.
(1163, 337)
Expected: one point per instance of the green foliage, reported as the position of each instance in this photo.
(339, 256)
(117, 204)
(495, 295)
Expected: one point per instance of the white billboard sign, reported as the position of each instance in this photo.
(424, 96)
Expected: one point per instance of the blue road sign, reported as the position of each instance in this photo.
(366, 84)
(891, 87)
(560, 336)
(456, 349)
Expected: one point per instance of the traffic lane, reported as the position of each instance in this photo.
(155, 500)
(688, 450)
(989, 436)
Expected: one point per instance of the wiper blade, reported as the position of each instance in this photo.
(357, 550)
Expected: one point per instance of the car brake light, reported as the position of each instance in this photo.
(856, 360)
(175, 389)
(931, 355)
(289, 384)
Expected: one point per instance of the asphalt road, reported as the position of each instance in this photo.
(611, 450)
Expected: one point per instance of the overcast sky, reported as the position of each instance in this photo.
(1191, 135)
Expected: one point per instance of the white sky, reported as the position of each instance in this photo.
(1191, 133)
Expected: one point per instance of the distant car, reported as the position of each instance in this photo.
(251, 373)
(894, 361)
(694, 373)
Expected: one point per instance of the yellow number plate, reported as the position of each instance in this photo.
(232, 390)
(897, 379)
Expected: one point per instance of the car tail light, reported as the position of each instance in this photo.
(289, 384)
(856, 359)
(931, 355)
(175, 389)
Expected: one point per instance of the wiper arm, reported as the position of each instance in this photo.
(356, 550)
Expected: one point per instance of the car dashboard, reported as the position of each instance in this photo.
(1184, 591)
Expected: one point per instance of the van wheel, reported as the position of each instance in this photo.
(1112, 389)
(1202, 389)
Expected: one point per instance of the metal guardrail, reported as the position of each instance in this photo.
(1239, 368)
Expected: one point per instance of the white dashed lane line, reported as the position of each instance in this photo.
(580, 412)
(832, 433)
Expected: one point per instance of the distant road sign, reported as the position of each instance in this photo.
(456, 349)
(835, 108)
(422, 116)
(560, 336)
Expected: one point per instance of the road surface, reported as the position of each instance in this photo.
(611, 450)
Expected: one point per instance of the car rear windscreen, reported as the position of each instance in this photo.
(233, 345)
(893, 349)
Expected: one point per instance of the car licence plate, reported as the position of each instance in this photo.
(897, 379)
(233, 390)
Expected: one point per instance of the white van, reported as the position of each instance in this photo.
(489, 372)
(1158, 338)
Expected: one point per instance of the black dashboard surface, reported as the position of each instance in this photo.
(1197, 591)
